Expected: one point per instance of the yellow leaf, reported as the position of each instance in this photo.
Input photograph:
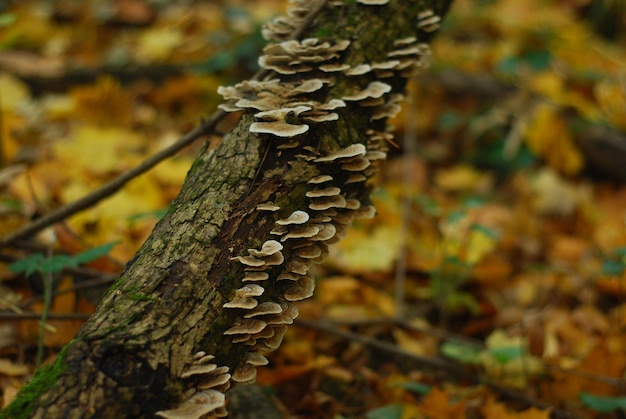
(495, 410)
(158, 44)
(612, 98)
(480, 245)
(12, 92)
(363, 252)
(548, 137)
(103, 103)
(555, 195)
(462, 178)
(99, 150)
(548, 84)
(516, 371)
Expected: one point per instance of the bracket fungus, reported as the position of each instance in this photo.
(199, 405)
(278, 128)
(297, 217)
(373, 2)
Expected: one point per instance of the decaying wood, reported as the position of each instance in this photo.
(162, 341)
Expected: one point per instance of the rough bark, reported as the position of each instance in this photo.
(133, 356)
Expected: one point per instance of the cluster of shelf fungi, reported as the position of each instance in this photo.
(283, 109)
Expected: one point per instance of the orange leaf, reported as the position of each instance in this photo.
(494, 410)
(437, 405)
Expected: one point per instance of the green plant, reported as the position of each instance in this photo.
(47, 265)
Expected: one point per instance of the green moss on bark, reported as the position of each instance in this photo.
(44, 379)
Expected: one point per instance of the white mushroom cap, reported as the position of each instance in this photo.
(373, 2)
(244, 374)
(350, 151)
(281, 114)
(272, 343)
(245, 303)
(355, 178)
(297, 266)
(249, 326)
(331, 105)
(200, 355)
(275, 259)
(356, 164)
(277, 128)
(368, 211)
(405, 41)
(198, 370)
(309, 252)
(248, 261)
(300, 290)
(358, 70)
(326, 202)
(251, 276)
(300, 232)
(296, 217)
(410, 50)
(267, 206)
(320, 179)
(199, 405)
(329, 68)
(329, 191)
(214, 381)
(255, 358)
(308, 86)
(353, 204)
(279, 229)
(374, 89)
(289, 276)
(385, 65)
(268, 307)
(324, 117)
(327, 232)
(269, 248)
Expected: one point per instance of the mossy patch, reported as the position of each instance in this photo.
(44, 379)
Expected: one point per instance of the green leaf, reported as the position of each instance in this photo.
(158, 214)
(94, 253)
(489, 232)
(473, 202)
(417, 388)
(7, 19)
(391, 411)
(465, 354)
(428, 205)
(57, 263)
(538, 60)
(455, 216)
(449, 120)
(463, 299)
(620, 251)
(28, 265)
(604, 404)
(506, 354)
(612, 267)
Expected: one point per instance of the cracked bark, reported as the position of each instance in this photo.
(127, 359)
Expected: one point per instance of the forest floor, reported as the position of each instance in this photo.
(492, 282)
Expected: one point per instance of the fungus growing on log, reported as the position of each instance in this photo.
(309, 126)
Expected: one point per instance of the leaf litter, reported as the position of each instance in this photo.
(514, 270)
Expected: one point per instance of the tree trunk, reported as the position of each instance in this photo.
(251, 217)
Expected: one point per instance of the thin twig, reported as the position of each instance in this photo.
(113, 186)
(436, 363)
(439, 364)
